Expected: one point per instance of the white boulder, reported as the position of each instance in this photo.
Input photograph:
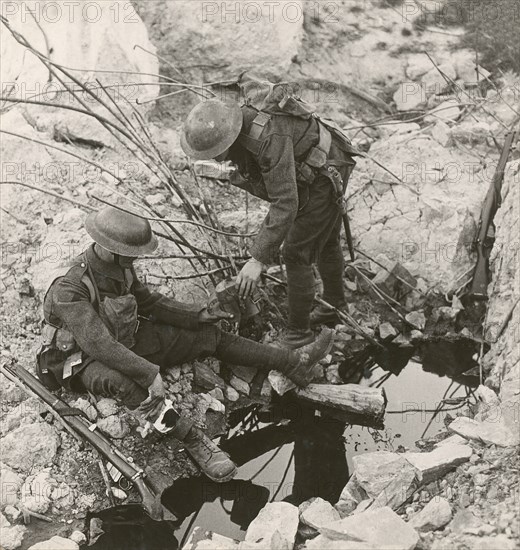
(275, 527)
(435, 515)
(382, 528)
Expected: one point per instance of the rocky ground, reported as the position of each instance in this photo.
(415, 216)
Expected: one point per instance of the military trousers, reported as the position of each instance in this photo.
(166, 346)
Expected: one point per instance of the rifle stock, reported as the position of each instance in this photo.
(151, 500)
(485, 235)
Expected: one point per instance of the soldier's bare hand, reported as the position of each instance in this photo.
(213, 315)
(248, 278)
(156, 394)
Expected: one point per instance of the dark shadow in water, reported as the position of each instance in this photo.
(314, 464)
(129, 527)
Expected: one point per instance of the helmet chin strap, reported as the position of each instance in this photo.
(117, 259)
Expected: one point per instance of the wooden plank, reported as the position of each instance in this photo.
(351, 398)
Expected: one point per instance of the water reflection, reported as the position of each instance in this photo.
(291, 462)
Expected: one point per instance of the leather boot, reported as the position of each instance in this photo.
(300, 368)
(300, 295)
(295, 364)
(213, 461)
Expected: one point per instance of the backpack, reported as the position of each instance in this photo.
(282, 99)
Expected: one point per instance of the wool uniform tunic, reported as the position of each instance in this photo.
(302, 213)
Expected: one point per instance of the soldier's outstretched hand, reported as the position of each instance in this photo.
(151, 406)
(248, 278)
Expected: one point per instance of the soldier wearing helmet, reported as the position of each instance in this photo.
(283, 159)
(107, 333)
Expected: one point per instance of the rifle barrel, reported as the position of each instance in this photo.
(151, 501)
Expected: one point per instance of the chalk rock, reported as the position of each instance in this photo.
(386, 330)
(454, 439)
(245, 373)
(438, 462)
(435, 83)
(417, 319)
(40, 438)
(275, 527)
(492, 433)
(240, 385)
(317, 512)
(382, 528)
(489, 405)
(155, 199)
(206, 378)
(442, 134)
(63, 497)
(386, 477)
(78, 537)
(493, 543)
(280, 383)
(387, 279)
(27, 412)
(471, 132)
(446, 111)
(36, 492)
(11, 537)
(232, 394)
(210, 403)
(217, 393)
(213, 36)
(409, 96)
(321, 542)
(207, 540)
(55, 543)
(12, 513)
(114, 426)
(350, 497)
(436, 514)
(418, 64)
(10, 484)
(86, 406)
(374, 471)
(107, 407)
(119, 493)
(4, 522)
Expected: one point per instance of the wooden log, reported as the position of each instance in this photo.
(350, 398)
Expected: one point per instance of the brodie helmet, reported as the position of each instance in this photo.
(121, 232)
(211, 127)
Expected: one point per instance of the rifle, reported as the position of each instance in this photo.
(78, 424)
(337, 181)
(486, 233)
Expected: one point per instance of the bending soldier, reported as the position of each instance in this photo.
(283, 159)
(107, 333)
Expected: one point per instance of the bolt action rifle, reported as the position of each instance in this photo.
(78, 424)
(337, 181)
(486, 232)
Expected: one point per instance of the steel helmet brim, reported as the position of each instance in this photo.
(235, 126)
(115, 246)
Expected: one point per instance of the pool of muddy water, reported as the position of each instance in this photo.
(292, 453)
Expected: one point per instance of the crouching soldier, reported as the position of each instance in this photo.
(285, 160)
(105, 332)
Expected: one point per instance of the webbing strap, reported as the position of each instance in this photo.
(258, 125)
(88, 283)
